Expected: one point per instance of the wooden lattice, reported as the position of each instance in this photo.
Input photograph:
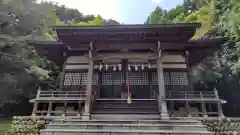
(79, 79)
(112, 78)
(172, 78)
(138, 78)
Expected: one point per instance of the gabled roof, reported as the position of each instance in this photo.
(75, 40)
(121, 34)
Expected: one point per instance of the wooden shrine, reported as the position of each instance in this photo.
(127, 62)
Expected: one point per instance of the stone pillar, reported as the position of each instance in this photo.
(86, 114)
(49, 109)
(161, 88)
(35, 107)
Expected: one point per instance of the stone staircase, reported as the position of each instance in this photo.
(117, 109)
(119, 118)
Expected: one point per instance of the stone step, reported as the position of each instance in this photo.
(125, 111)
(121, 126)
(104, 111)
(131, 120)
(120, 132)
(124, 106)
(118, 117)
(125, 102)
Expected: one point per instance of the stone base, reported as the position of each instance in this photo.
(86, 116)
(164, 116)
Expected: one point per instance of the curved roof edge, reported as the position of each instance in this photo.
(132, 26)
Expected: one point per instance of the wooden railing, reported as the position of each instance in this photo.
(61, 95)
(191, 95)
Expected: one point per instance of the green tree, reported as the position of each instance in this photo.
(21, 69)
(219, 18)
(157, 16)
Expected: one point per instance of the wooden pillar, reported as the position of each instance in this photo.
(65, 109)
(172, 108)
(35, 107)
(161, 88)
(125, 77)
(86, 114)
(187, 108)
(152, 93)
(62, 74)
(62, 77)
(187, 105)
(49, 109)
(203, 106)
(210, 107)
(219, 104)
(79, 109)
(190, 83)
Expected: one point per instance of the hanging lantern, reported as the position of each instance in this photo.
(142, 66)
(136, 67)
(106, 66)
(114, 67)
(129, 67)
(119, 67)
(100, 66)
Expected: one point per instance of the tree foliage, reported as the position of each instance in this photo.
(219, 18)
(21, 69)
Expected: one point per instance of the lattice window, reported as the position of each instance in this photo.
(138, 78)
(95, 78)
(179, 78)
(112, 78)
(155, 78)
(75, 78)
(68, 79)
(118, 78)
(167, 80)
(84, 78)
(171, 78)
(78, 79)
(107, 78)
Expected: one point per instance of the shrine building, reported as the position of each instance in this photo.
(135, 70)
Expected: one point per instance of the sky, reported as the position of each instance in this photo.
(123, 11)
